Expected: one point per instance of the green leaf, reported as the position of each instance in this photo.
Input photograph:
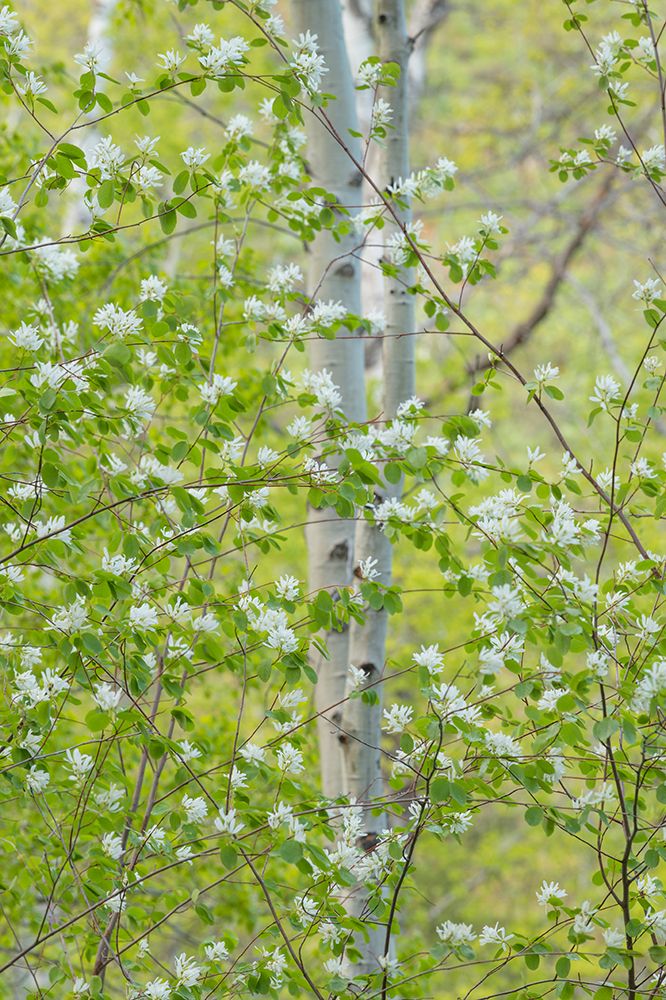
(440, 789)
(96, 721)
(291, 851)
(605, 728)
(106, 193)
(187, 209)
(533, 815)
(280, 109)
(562, 967)
(91, 643)
(228, 856)
(180, 182)
(118, 354)
(168, 220)
(393, 472)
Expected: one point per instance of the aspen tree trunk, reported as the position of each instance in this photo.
(334, 274)
(362, 720)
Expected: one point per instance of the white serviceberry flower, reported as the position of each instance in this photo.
(255, 175)
(647, 626)
(139, 404)
(356, 677)
(605, 134)
(546, 373)
(226, 822)
(153, 288)
(143, 948)
(188, 751)
(397, 717)
(390, 965)
(569, 465)
(171, 60)
(119, 322)
(80, 987)
(583, 920)
(267, 456)
(307, 62)
(382, 113)
(654, 159)
(239, 126)
(641, 468)
(112, 845)
(502, 746)
(26, 337)
(594, 797)
(157, 989)
(196, 810)
(366, 569)
(495, 935)
(623, 157)
(646, 291)
(469, 455)
(31, 742)
(430, 658)
(550, 891)
(614, 938)
(597, 661)
(220, 385)
(207, 623)
(321, 385)
(252, 753)
(216, 951)
(647, 885)
(283, 277)
(491, 223)
(336, 965)
(194, 158)
(202, 35)
(119, 565)
(107, 697)
(651, 684)
(507, 601)
(72, 617)
(37, 779)
(9, 24)
(455, 934)
(111, 798)
(187, 972)
(644, 51)
(459, 822)
(290, 759)
(142, 616)
(91, 57)
(185, 853)
(288, 588)
(80, 764)
(282, 813)
(606, 391)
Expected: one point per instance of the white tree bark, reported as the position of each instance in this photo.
(333, 274)
(362, 719)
